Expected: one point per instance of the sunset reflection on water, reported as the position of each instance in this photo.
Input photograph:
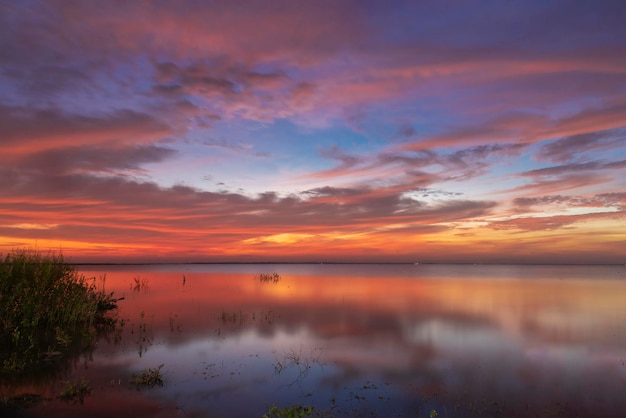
(361, 340)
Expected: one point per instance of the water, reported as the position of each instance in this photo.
(359, 340)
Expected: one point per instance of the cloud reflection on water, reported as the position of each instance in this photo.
(401, 339)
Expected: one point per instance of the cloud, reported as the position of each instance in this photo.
(527, 128)
(574, 168)
(236, 90)
(418, 168)
(23, 129)
(527, 202)
(315, 63)
(541, 185)
(605, 200)
(334, 153)
(601, 118)
(332, 192)
(613, 197)
(195, 79)
(214, 78)
(234, 147)
(116, 210)
(550, 223)
(88, 159)
(450, 108)
(468, 156)
(555, 179)
(571, 147)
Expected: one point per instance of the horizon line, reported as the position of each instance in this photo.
(335, 263)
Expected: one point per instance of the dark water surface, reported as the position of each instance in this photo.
(359, 340)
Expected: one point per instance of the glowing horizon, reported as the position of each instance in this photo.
(304, 131)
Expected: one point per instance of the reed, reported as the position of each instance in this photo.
(47, 309)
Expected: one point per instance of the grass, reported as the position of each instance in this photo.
(47, 311)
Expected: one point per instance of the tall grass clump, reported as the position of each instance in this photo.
(47, 310)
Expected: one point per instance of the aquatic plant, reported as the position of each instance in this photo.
(139, 283)
(236, 318)
(297, 411)
(10, 404)
(269, 277)
(47, 311)
(75, 391)
(173, 326)
(144, 334)
(298, 361)
(147, 378)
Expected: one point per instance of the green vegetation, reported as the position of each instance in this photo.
(48, 312)
(297, 411)
(75, 391)
(147, 378)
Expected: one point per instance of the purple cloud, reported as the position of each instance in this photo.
(569, 148)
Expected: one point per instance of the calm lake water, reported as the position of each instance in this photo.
(359, 340)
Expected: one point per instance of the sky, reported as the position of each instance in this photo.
(314, 131)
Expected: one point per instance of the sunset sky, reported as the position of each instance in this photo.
(377, 131)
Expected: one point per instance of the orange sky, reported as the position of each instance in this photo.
(304, 131)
